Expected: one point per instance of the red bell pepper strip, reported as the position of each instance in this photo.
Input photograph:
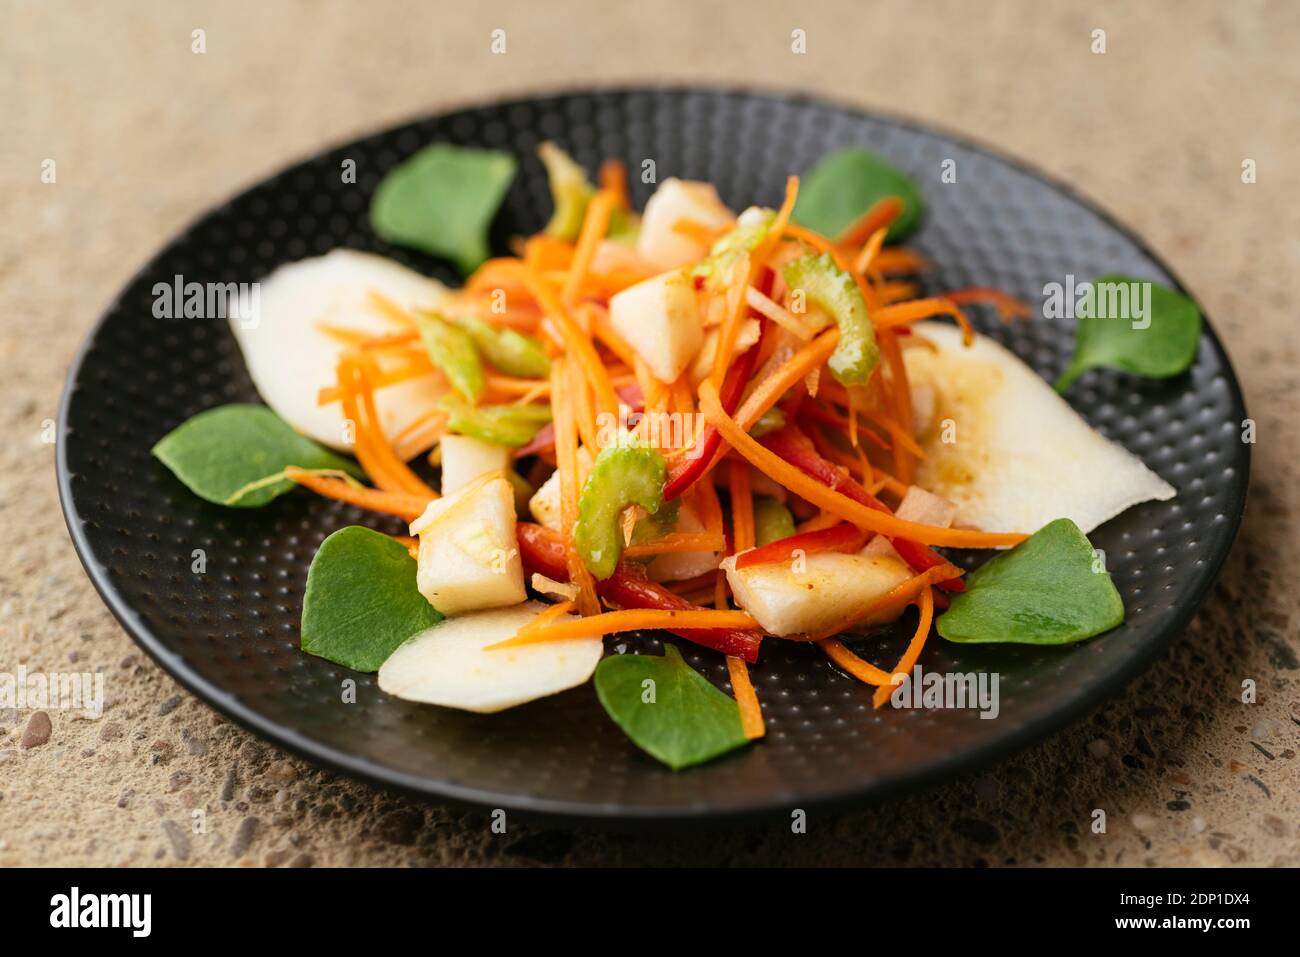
(797, 449)
(542, 551)
(685, 470)
(844, 537)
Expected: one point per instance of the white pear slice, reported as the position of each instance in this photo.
(290, 359)
(447, 664)
(1009, 452)
(814, 593)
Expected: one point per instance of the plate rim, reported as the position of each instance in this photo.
(572, 811)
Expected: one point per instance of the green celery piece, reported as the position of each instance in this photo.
(361, 600)
(728, 248)
(451, 349)
(1163, 345)
(624, 473)
(835, 291)
(571, 191)
(234, 455)
(442, 201)
(513, 352)
(772, 520)
(667, 708)
(847, 183)
(509, 425)
(1051, 589)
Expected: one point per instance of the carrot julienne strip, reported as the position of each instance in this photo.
(409, 507)
(881, 215)
(632, 619)
(676, 542)
(902, 313)
(595, 224)
(742, 506)
(832, 501)
(864, 671)
(914, 647)
(566, 457)
(751, 712)
(576, 341)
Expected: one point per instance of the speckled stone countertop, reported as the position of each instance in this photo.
(146, 134)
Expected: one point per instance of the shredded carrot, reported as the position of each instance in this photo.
(864, 671)
(700, 232)
(869, 251)
(566, 457)
(676, 542)
(880, 216)
(409, 507)
(813, 491)
(914, 647)
(576, 341)
(751, 712)
(1008, 306)
(559, 609)
(632, 619)
(897, 261)
(900, 314)
(377, 444)
(742, 506)
(613, 179)
(595, 223)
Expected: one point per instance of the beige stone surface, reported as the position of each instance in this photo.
(147, 134)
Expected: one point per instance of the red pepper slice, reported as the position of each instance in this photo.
(797, 449)
(685, 470)
(542, 551)
(844, 537)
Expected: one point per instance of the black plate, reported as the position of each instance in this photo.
(230, 635)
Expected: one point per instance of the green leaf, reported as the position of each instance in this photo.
(234, 455)
(442, 201)
(1051, 589)
(1156, 340)
(668, 709)
(451, 349)
(845, 184)
(362, 600)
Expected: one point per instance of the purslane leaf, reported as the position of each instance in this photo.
(362, 600)
(442, 201)
(1115, 335)
(668, 709)
(233, 455)
(847, 183)
(1051, 589)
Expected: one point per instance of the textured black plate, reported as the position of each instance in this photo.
(230, 635)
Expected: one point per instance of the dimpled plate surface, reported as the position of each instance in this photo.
(230, 635)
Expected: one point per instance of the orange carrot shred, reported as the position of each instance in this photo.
(914, 647)
(751, 712)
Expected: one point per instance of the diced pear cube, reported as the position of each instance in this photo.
(658, 242)
(465, 458)
(545, 503)
(815, 592)
(469, 555)
(660, 319)
(920, 506)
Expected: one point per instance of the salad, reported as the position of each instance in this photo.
(733, 427)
